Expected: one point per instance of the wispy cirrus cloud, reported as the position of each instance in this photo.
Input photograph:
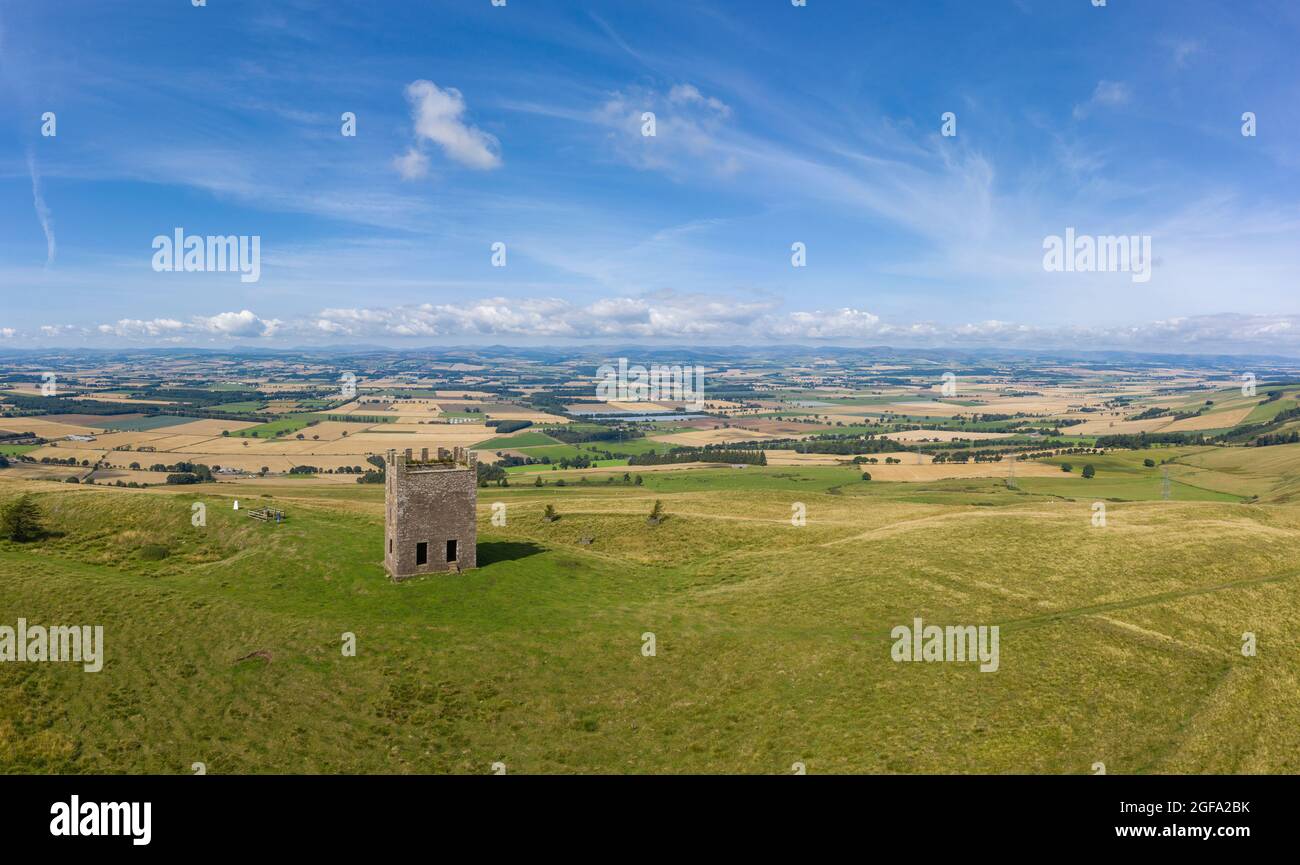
(42, 210)
(1107, 94)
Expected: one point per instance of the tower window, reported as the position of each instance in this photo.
(451, 551)
(422, 553)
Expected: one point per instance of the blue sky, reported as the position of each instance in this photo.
(775, 124)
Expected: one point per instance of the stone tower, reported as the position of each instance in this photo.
(429, 512)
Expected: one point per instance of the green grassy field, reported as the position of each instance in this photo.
(526, 439)
(14, 450)
(246, 406)
(1119, 643)
(554, 452)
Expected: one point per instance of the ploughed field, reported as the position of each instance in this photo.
(1119, 644)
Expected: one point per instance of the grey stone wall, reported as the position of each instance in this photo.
(429, 501)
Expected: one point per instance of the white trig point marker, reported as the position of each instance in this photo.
(236, 504)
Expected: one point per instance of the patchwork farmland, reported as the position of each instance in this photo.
(803, 517)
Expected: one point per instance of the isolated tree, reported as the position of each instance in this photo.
(549, 514)
(20, 521)
(538, 482)
(1089, 471)
(657, 512)
(866, 476)
(1149, 463)
(638, 480)
(1066, 467)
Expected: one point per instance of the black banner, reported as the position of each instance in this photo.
(330, 814)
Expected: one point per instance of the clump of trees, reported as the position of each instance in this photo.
(509, 426)
(20, 520)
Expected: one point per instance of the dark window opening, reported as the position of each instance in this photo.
(422, 554)
(451, 551)
(390, 545)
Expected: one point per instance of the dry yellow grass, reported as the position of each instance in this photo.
(1232, 417)
(791, 458)
(925, 408)
(696, 438)
(63, 451)
(112, 440)
(126, 476)
(170, 443)
(464, 394)
(30, 471)
(48, 429)
(1112, 426)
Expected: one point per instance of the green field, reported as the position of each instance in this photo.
(15, 450)
(240, 407)
(1119, 643)
(526, 439)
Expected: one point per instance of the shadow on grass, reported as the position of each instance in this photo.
(491, 552)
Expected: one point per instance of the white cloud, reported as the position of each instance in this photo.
(1184, 49)
(412, 165)
(689, 93)
(42, 211)
(837, 324)
(134, 328)
(238, 324)
(1107, 94)
(437, 115)
(689, 130)
(56, 330)
(672, 318)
